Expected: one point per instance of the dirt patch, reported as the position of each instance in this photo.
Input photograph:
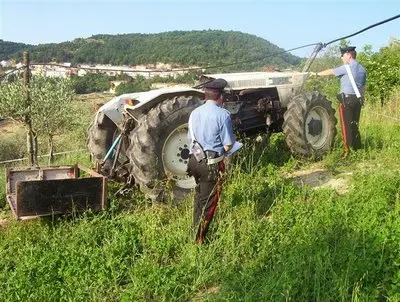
(205, 292)
(321, 178)
(95, 98)
(3, 224)
(8, 127)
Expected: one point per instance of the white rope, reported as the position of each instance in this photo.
(387, 116)
(46, 155)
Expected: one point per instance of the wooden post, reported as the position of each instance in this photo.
(28, 121)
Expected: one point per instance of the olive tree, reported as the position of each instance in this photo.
(52, 110)
(47, 113)
(14, 105)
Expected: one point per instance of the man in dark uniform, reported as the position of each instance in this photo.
(210, 137)
(352, 86)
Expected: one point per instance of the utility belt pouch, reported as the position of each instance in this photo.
(355, 99)
(198, 152)
(341, 97)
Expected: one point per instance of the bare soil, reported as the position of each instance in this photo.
(317, 177)
(8, 126)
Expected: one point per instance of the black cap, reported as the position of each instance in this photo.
(343, 50)
(218, 84)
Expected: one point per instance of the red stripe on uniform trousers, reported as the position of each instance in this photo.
(342, 123)
(210, 214)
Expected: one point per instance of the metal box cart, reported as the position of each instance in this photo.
(34, 192)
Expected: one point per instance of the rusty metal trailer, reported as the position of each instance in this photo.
(34, 192)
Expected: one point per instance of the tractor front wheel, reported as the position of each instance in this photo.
(310, 125)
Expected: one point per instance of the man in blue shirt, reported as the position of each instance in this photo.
(352, 86)
(210, 137)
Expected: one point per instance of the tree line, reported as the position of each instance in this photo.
(10, 50)
(102, 82)
(179, 48)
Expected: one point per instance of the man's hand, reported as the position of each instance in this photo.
(327, 72)
(228, 147)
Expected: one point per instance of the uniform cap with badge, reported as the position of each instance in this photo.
(347, 49)
(216, 84)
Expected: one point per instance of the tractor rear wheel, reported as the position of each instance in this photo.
(159, 149)
(310, 125)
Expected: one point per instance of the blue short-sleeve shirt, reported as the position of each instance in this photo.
(359, 74)
(212, 127)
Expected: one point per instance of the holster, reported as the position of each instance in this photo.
(341, 97)
(198, 152)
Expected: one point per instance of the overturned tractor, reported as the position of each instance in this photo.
(142, 137)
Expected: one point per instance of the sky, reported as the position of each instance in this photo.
(285, 23)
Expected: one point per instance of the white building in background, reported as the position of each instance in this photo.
(64, 70)
(4, 63)
(81, 72)
(56, 73)
(52, 71)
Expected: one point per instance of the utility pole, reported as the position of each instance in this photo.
(28, 121)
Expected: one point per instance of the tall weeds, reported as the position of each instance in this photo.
(270, 241)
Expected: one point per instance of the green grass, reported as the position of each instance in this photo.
(270, 240)
(12, 145)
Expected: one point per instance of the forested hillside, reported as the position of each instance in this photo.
(9, 49)
(183, 48)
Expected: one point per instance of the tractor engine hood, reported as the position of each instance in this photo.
(287, 84)
(252, 80)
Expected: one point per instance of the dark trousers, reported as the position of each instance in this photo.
(350, 109)
(206, 194)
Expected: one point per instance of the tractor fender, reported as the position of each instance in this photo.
(140, 103)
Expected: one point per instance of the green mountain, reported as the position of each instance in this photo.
(9, 50)
(183, 48)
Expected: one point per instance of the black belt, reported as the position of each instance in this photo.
(342, 96)
(211, 154)
(213, 157)
(349, 95)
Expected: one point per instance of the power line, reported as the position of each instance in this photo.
(364, 29)
(263, 58)
(313, 44)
